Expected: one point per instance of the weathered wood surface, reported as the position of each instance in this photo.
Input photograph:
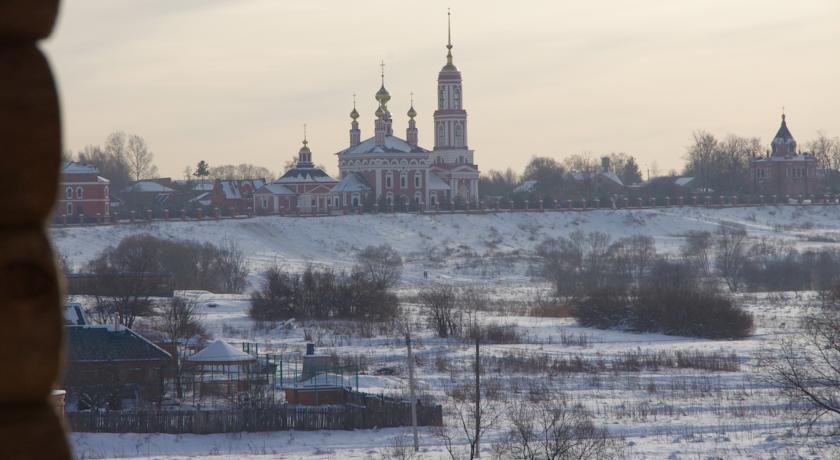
(30, 142)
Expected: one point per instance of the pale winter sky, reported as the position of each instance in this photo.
(232, 81)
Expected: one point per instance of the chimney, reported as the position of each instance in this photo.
(605, 164)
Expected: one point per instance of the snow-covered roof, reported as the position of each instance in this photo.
(73, 167)
(275, 189)
(393, 145)
(683, 181)
(74, 314)
(527, 186)
(204, 198)
(232, 189)
(149, 186)
(220, 352)
(802, 157)
(325, 380)
(611, 176)
(298, 175)
(351, 183)
(436, 183)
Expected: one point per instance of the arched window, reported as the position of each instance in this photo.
(456, 97)
(69, 209)
(69, 193)
(417, 180)
(355, 201)
(389, 180)
(80, 193)
(433, 199)
(459, 135)
(441, 134)
(106, 191)
(403, 180)
(389, 199)
(441, 97)
(418, 197)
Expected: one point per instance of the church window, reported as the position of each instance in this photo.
(433, 199)
(441, 134)
(69, 194)
(106, 191)
(417, 197)
(80, 193)
(69, 209)
(264, 202)
(389, 199)
(458, 135)
(441, 97)
(416, 180)
(335, 202)
(456, 97)
(355, 201)
(389, 180)
(403, 180)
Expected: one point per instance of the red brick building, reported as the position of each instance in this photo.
(784, 171)
(236, 195)
(84, 195)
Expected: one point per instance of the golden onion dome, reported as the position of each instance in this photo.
(383, 96)
(354, 114)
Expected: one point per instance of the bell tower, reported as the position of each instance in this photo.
(450, 118)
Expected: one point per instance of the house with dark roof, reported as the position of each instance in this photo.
(112, 367)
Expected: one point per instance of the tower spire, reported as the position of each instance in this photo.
(382, 71)
(448, 37)
(304, 135)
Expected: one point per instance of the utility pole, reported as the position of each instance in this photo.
(477, 393)
(411, 389)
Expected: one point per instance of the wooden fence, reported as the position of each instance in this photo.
(377, 413)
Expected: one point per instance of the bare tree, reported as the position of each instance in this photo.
(231, 266)
(381, 264)
(826, 150)
(111, 162)
(698, 249)
(556, 431)
(731, 254)
(473, 418)
(179, 320)
(442, 314)
(807, 367)
(140, 159)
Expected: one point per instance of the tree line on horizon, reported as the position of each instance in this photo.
(720, 164)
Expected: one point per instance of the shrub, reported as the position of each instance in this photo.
(689, 312)
(673, 307)
(322, 294)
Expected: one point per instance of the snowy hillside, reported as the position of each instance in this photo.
(459, 246)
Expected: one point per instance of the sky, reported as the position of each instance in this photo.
(234, 81)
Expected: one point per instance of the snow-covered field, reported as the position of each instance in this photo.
(669, 412)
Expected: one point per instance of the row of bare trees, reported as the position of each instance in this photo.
(122, 158)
